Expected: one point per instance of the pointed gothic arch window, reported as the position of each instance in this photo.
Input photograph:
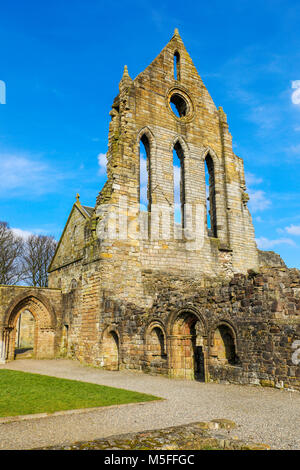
(210, 196)
(176, 59)
(179, 189)
(144, 178)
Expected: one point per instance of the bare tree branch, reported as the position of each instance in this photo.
(11, 250)
(38, 253)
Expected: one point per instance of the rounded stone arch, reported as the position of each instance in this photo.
(155, 340)
(110, 348)
(187, 338)
(44, 324)
(189, 310)
(223, 343)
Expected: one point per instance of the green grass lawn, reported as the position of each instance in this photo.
(22, 393)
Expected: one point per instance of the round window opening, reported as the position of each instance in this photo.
(179, 105)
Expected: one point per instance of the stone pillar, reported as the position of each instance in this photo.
(4, 341)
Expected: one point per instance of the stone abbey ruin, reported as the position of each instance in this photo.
(189, 296)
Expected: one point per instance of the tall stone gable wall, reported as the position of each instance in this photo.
(142, 109)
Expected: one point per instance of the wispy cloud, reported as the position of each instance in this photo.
(264, 243)
(102, 163)
(245, 77)
(23, 174)
(258, 199)
(251, 179)
(296, 94)
(21, 233)
(291, 230)
(27, 233)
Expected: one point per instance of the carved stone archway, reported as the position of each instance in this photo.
(44, 330)
(188, 346)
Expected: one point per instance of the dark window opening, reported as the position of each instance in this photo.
(177, 66)
(178, 105)
(179, 191)
(210, 197)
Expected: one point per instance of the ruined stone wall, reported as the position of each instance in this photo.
(270, 258)
(261, 310)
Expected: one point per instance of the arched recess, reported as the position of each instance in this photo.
(155, 345)
(210, 162)
(43, 335)
(146, 149)
(110, 349)
(187, 346)
(179, 151)
(223, 345)
(146, 155)
(214, 191)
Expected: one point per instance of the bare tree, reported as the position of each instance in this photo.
(38, 253)
(11, 250)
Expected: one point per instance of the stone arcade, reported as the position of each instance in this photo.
(189, 296)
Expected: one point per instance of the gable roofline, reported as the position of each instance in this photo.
(84, 212)
(175, 38)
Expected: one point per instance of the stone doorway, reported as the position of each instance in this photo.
(187, 346)
(29, 329)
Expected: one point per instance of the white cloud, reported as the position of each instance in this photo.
(26, 174)
(27, 233)
(296, 94)
(264, 243)
(293, 229)
(258, 200)
(252, 180)
(102, 163)
(21, 233)
(265, 116)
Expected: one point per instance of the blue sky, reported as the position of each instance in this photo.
(62, 62)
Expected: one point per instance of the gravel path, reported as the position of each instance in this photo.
(262, 414)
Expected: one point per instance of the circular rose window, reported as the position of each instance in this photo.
(180, 104)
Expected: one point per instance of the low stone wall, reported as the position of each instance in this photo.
(193, 436)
